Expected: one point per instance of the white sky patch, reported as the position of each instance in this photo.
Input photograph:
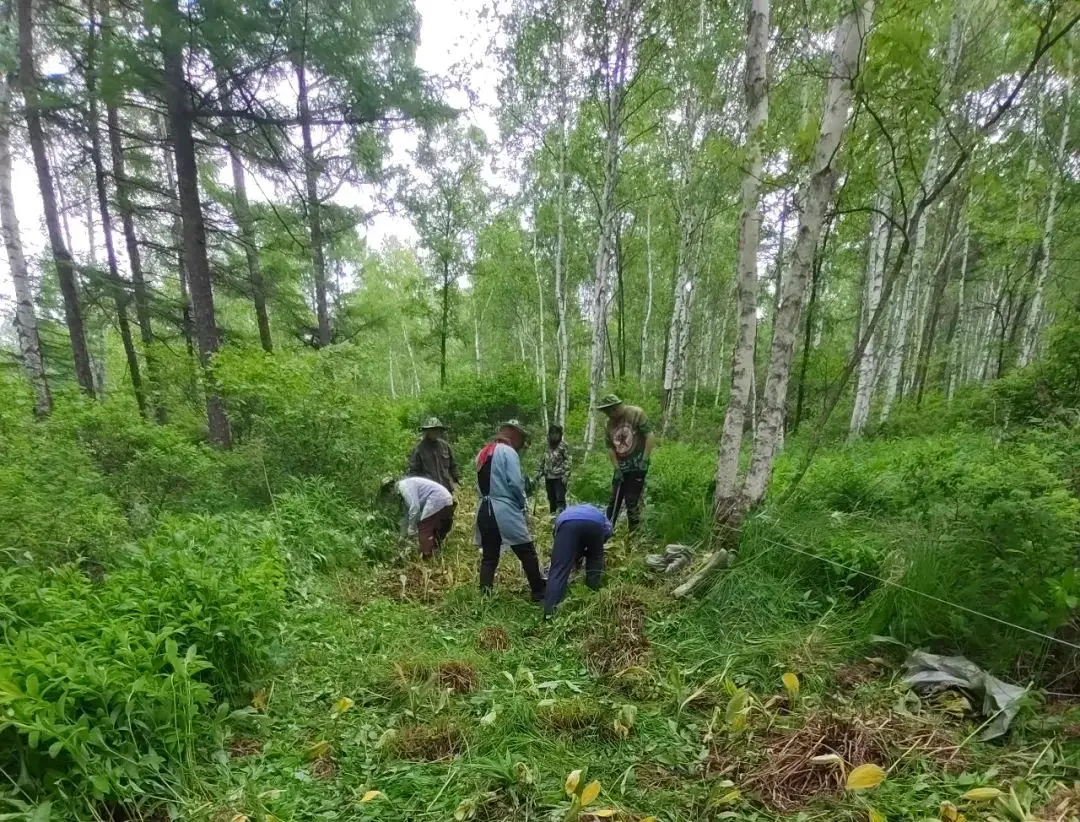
(454, 37)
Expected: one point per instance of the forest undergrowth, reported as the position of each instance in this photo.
(238, 635)
(410, 696)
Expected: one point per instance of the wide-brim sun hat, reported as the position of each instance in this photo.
(608, 400)
(433, 423)
(516, 425)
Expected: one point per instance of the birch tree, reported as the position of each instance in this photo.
(613, 40)
(875, 271)
(845, 65)
(742, 359)
(26, 327)
(65, 267)
(1034, 320)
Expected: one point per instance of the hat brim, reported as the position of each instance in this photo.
(432, 427)
(602, 406)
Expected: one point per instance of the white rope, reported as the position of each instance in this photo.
(806, 552)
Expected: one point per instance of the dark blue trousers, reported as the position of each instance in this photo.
(574, 539)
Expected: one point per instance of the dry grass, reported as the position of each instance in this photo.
(1063, 805)
(493, 638)
(786, 778)
(456, 675)
(429, 743)
(425, 582)
(325, 767)
(618, 640)
(244, 746)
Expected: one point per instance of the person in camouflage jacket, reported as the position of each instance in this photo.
(555, 469)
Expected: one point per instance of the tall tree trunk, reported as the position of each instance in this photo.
(720, 361)
(644, 351)
(601, 290)
(562, 341)
(194, 231)
(26, 330)
(187, 323)
(543, 348)
(412, 359)
(875, 270)
(808, 334)
(314, 213)
(476, 342)
(742, 360)
(938, 282)
(956, 345)
(615, 71)
(679, 328)
(1033, 324)
(444, 326)
(117, 286)
(242, 214)
(131, 240)
(65, 268)
(390, 368)
(846, 62)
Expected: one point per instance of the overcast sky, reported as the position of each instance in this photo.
(451, 32)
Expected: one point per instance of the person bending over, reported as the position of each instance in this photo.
(580, 532)
(500, 517)
(630, 443)
(427, 510)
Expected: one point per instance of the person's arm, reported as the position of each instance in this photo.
(568, 460)
(650, 444)
(515, 482)
(416, 464)
(612, 456)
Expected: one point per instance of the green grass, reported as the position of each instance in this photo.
(500, 745)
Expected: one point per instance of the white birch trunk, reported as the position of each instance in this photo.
(1033, 324)
(412, 359)
(846, 62)
(562, 340)
(875, 271)
(720, 362)
(26, 329)
(956, 349)
(390, 363)
(476, 341)
(678, 329)
(542, 355)
(643, 371)
(742, 360)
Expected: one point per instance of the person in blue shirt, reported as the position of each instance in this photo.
(500, 518)
(580, 531)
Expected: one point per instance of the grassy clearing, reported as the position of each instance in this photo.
(399, 678)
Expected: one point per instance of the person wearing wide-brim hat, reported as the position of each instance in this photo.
(630, 443)
(433, 458)
(500, 517)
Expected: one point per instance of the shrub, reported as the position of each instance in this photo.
(315, 417)
(55, 507)
(107, 688)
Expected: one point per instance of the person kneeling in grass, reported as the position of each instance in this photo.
(427, 510)
(580, 532)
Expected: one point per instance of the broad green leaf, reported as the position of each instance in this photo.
(489, 717)
(864, 777)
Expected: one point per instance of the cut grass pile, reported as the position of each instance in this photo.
(470, 708)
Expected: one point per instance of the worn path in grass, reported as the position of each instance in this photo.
(403, 694)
